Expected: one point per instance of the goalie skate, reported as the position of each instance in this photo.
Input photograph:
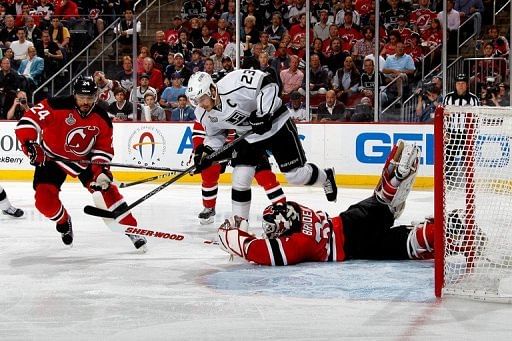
(207, 216)
(461, 238)
(398, 176)
(13, 212)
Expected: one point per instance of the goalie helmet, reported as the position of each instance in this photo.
(279, 219)
(199, 85)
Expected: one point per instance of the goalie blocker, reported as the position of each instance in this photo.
(294, 233)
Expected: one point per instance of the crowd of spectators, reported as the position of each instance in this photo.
(273, 39)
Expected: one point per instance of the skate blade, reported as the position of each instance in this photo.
(206, 221)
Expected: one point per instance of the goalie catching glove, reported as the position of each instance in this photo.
(233, 236)
(102, 178)
(260, 124)
(35, 153)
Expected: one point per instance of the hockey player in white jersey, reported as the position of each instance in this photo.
(245, 100)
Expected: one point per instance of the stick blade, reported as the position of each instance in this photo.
(99, 212)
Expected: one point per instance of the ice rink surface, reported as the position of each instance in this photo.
(102, 289)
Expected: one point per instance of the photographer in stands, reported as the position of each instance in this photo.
(19, 106)
(429, 98)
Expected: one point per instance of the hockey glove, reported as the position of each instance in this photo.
(233, 236)
(200, 157)
(102, 178)
(260, 124)
(35, 153)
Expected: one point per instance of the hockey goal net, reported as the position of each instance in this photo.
(473, 202)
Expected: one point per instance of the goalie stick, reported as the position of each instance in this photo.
(98, 212)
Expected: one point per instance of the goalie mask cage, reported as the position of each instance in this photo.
(473, 202)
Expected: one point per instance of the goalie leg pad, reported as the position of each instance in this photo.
(398, 176)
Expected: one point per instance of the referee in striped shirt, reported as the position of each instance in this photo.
(460, 97)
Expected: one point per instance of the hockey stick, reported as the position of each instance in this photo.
(114, 164)
(146, 232)
(156, 177)
(95, 211)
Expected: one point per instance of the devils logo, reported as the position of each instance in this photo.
(80, 141)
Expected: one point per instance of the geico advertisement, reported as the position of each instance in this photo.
(11, 156)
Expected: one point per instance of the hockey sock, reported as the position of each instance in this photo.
(114, 199)
(49, 204)
(4, 202)
(267, 179)
(209, 188)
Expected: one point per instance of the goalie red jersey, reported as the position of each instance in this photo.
(64, 133)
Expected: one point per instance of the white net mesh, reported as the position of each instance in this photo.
(477, 201)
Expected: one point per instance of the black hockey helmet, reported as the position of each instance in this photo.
(279, 219)
(461, 77)
(85, 85)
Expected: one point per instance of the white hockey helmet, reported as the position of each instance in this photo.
(199, 85)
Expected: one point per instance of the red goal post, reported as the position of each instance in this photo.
(473, 202)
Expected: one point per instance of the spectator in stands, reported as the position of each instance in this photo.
(404, 31)
(318, 7)
(51, 53)
(213, 9)
(421, 18)
(160, 49)
(8, 33)
(321, 28)
(502, 98)
(184, 46)
(196, 63)
(180, 68)
(124, 30)
(333, 34)
(251, 58)
(172, 34)
(266, 46)
(183, 112)
(156, 79)
(467, 8)
(193, 9)
(428, 100)
(34, 33)
(318, 77)
(295, 12)
(208, 67)
(415, 50)
(230, 15)
(349, 33)
(125, 76)
(227, 67)
(151, 110)
(137, 94)
(391, 15)
(337, 56)
(363, 112)
(298, 31)
(331, 110)
(453, 24)
(500, 43)
(390, 47)
(19, 19)
(45, 11)
(276, 30)
(8, 77)
(346, 81)
(32, 68)
(222, 35)
(216, 57)
(281, 59)
(105, 86)
(67, 10)
(143, 54)
(169, 98)
(20, 47)
(251, 10)
(297, 108)
(292, 78)
(19, 106)
(121, 109)
(207, 42)
(433, 35)
(59, 33)
(339, 20)
(364, 46)
(264, 66)
(230, 49)
(401, 66)
(367, 84)
(249, 32)
(316, 48)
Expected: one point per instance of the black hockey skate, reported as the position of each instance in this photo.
(206, 216)
(66, 232)
(138, 241)
(13, 212)
(330, 187)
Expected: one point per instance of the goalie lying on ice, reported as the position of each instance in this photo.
(294, 233)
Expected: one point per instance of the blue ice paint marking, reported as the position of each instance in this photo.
(410, 281)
